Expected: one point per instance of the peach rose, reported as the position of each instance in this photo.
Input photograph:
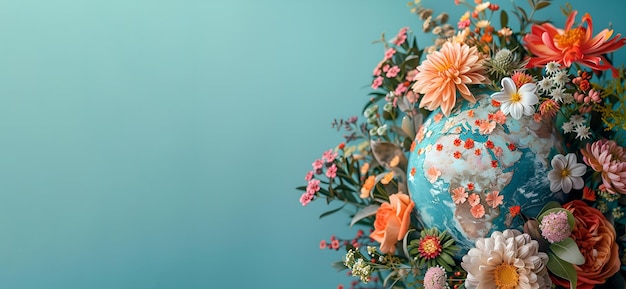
(595, 237)
(392, 222)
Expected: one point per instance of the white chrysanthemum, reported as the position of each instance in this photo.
(545, 85)
(582, 132)
(507, 259)
(552, 67)
(558, 94)
(568, 127)
(566, 173)
(561, 78)
(516, 102)
(577, 120)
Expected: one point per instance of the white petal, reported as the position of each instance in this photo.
(577, 183)
(516, 110)
(567, 184)
(508, 85)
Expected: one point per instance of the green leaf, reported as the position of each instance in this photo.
(364, 213)
(504, 19)
(562, 269)
(339, 266)
(331, 212)
(550, 205)
(542, 5)
(568, 250)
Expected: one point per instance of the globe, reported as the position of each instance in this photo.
(472, 172)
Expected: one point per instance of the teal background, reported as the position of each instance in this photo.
(157, 144)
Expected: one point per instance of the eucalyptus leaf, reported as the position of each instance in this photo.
(504, 19)
(568, 250)
(339, 266)
(364, 213)
(562, 269)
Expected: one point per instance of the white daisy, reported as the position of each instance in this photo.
(566, 173)
(560, 78)
(552, 67)
(568, 127)
(568, 98)
(577, 120)
(557, 94)
(508, 259)
(516, 102)
(545, 85)
(582, 132)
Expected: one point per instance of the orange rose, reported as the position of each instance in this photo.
(392, 222)
(595, 237)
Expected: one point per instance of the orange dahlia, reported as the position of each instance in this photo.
(447, 71)
(572, 44)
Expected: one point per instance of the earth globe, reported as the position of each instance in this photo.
(473, 172)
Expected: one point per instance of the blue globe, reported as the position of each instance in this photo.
(468, 172)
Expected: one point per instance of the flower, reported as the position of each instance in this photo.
(595, 237)
(332, 171)
(433, 174)
(434, 248)
(508, 259)
(608, 158)
(514, 101)
(459, 195)
(447, 71)
(494, 199)
(435, 278)
(555, 227)
(392, 222)
(572, 44)
(566, 173)
(474, 199)
(478, 211)
(367, 187)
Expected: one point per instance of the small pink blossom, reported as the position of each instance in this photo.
(401, 37)
(473, 199)
(377, 82)
(309, 176)
(486, 127)
(306, 198)
(435, 278)
(499, 117)
(555, 227)
(332, 171)
(393, 72)
(318, 165)
(478, 211)
(400, 89)
(313, 186)
(386, 67)
(494, 199)
(329, 156)
(459, 195)
(389, 53)
(463, 24)
(433, 174)
(497, 151)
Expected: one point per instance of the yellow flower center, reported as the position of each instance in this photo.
(506, 276)
(564, 173)
(430, 246)
(570, 38)
(516, 97)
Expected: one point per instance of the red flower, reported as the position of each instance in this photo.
(595, 237)
(572, 44)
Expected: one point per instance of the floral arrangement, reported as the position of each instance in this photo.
(528, 74)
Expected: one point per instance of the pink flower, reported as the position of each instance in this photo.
(497, 151)
(446, 72)
(555, 227)
(389, 53)
(494, 199)
(459, 195)
(572, 44)
(377, 82)
(474, 199)
(393, 72)
(332, 171)
(313, 186)
(328, 156)
(463, 24)
(433, 174)
(401, 37)
(400, 89)
(435, 278)
(306, 198)
(478, 211)
(318, 165)
(549, 108)
(486, 127)
(608, 158)
(309, 176)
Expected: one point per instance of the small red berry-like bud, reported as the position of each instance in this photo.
(342, 145)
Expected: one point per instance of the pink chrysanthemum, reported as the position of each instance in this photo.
(608, 158)
(554, 227)
(435, 278)
(447, 71)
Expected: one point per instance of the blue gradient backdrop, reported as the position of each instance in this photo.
(157, 144)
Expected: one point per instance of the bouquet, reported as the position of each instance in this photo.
(492, 158)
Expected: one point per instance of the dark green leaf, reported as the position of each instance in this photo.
(301, 188)
(550, 205)
(542, 5)
(331, 212)
(504, 19)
